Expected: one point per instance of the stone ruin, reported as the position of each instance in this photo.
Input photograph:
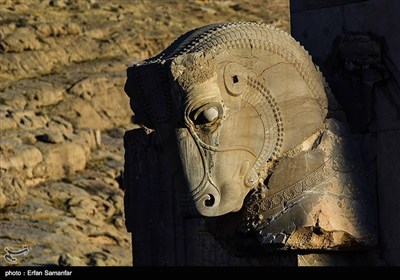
(256, 143)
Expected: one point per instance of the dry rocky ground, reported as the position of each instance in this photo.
(63, 113)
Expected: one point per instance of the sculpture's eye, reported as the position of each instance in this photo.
(210, 114)
(205, 115)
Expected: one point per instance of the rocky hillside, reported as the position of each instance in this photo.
(63, 113)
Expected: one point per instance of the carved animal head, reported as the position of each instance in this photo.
(230, 100)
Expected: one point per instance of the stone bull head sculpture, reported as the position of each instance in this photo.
(245, 109)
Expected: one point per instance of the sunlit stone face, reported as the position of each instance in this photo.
(219, 144)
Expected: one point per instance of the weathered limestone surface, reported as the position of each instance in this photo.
(256, 140)
(61, 128)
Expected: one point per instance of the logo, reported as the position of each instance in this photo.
(11, 254)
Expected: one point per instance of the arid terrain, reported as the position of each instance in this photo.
(63, 114)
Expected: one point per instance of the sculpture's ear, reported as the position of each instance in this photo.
(235, 78)
(148, 87)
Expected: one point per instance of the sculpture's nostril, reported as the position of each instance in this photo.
(209, 202)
